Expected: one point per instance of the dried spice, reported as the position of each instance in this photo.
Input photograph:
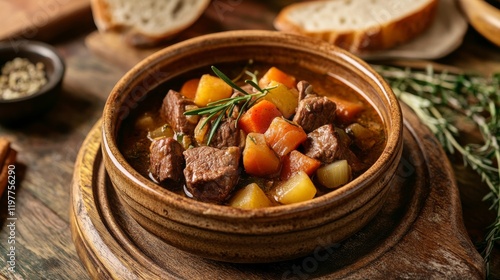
(21, 78)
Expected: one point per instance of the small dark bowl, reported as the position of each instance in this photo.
(24, 108)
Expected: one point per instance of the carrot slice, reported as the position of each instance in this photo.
(347, 110)
(189, 88)
(284, 136)
(258, 158)
(259, 117)
(297, 161)
(275, 74)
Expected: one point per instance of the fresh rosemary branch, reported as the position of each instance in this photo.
(435, 98)
(219, 109)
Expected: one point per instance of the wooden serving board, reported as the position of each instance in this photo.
(40, 19)
(444, 36)
(419, 233)
(221, 15)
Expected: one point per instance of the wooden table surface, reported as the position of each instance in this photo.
(47, 146)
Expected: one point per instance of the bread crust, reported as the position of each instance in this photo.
(104, 21)
(384, 36)
(101, 15)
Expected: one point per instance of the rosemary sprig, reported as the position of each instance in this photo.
(435, 98)
(219, 109)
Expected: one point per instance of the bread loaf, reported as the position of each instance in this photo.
(146, 22)
(359, 25)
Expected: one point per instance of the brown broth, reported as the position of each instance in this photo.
(134, 143)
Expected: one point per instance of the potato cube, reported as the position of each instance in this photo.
(284, 98)
(211, 89)
(297, 188)
(250, 197)
(335, 174)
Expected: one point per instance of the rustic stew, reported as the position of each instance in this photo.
(269, 135)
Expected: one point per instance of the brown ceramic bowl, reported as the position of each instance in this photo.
(267, 234)
(25, 108)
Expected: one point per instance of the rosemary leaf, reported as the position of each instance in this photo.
(215, 124)
(225, 107)
(253, 76)
(435, 97)
(227, 80)
(254, 84)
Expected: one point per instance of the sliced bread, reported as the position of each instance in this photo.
(146, 22)
(358, 25)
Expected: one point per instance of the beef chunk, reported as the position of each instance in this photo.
(166, 161)
(355, 163)
(246, 87)
(315, 111)
(305, 89)
(322, 144)
(326, 145)
(172, 111)
(228, 134)
(211, 173)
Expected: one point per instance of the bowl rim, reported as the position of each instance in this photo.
(388, 155)
(18, 48)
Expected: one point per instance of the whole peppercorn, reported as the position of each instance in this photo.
(20, 78)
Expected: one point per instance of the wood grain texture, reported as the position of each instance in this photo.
(398, 243)
(221, 15)
(263, 235)
(40, 19)
(48, 145)
(43, 243)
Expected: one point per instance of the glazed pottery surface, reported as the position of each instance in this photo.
(262, 235)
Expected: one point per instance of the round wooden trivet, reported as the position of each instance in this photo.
(419, 233)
